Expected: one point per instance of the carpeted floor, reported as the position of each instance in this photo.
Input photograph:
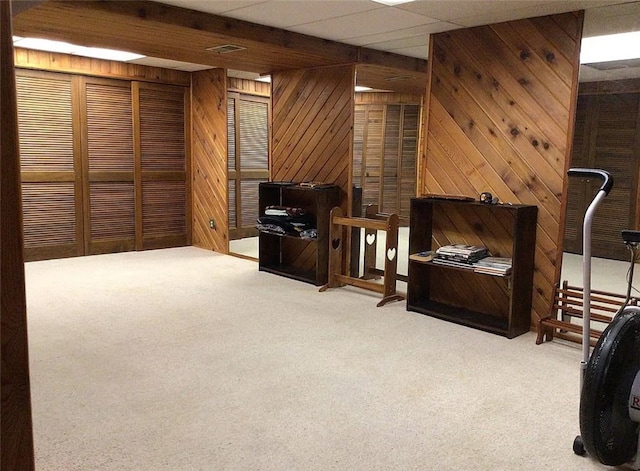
(183, 359)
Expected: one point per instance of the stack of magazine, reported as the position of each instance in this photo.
(460, 255)
(493, 265)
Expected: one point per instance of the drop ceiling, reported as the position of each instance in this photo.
(384, 41)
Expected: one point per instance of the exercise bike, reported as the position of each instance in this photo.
(610, 375)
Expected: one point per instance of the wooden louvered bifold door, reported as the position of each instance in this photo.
(51, 193)
(248, 160)
(607, 136)
(163, 186)
(384, 155)
(108, 166)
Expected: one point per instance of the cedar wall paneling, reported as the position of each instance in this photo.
(51, 61)
(312, 135)
(365, 98)
(499, 118)
(16, 427)
(209, 152)
(312, 125)
(251, 87)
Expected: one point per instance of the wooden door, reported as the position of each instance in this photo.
(161, 166)
(607, 136)
(104, 165)
(108, 166)
(384, 155)
(248, 160)
(50, 165)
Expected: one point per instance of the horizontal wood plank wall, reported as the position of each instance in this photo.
(501, 100)
(312, 135)
(252, 87)
(365, 98)
(16, 427)
(209, 165)
(55, 62)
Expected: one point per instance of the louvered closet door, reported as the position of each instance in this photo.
(109, 166)
(163, 187)
(408, 157)
(385, 151)
(389, 197)
(51, 194)
(577, 189)
(617, 149)
(372, 152)
(248, 160)
(610, 140)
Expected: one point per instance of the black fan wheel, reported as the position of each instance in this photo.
(606, 429)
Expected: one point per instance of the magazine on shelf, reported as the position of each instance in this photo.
(492, 271)
(494, 265)
(425, 256)
(495, 262)
(461, 249)
(452, 263)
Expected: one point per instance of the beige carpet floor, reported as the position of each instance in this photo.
(184, 359)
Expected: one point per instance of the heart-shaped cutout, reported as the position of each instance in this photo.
(391, 254)
(335, 243)
(371, 238)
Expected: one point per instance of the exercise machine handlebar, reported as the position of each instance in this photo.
(607, 179)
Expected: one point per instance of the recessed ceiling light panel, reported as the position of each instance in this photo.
(613, 47)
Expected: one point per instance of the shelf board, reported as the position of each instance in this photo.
(462, 316)
(308, 276)
(470, 269)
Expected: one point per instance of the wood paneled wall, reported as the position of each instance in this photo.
(500, 103)
(366, 98)
(252, 87)
(54, 62)
(209, 164)
(312, 126)
(16, 427)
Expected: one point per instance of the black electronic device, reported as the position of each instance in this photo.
(631, 237)
(488, 198)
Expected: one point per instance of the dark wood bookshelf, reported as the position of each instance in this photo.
(495, 303)
(293, 257)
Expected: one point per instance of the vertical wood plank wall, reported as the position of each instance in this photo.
(500, 116)
(312, 126)
(209, 164)
(16, 427)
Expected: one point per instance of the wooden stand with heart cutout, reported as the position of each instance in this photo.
(337, 236)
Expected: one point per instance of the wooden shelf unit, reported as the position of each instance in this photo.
(300, 259)
(494, 303)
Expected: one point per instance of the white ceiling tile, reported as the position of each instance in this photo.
(422, 30)
(448, 10)
(422, 40)
(216, 7)
(420, 52)
(613, 19)
(287, 13)
(381, 20)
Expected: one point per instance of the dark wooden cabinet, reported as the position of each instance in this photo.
(301, 259)
(497, 304)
